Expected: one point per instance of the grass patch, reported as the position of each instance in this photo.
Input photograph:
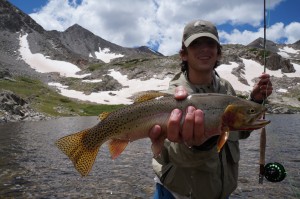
(94, 67)
(65, 100)
(260, 52)
(48, 101)
(131, 63)
(77, 84)
(293, 93)
(242, 96)
(97, 109)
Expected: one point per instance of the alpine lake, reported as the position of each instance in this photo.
(31, 166)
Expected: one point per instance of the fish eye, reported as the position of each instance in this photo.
(251, 111)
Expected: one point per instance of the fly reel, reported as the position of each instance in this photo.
(274, 172)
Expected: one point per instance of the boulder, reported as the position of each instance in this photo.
(4, 73)
(276, 62)
(14, 108)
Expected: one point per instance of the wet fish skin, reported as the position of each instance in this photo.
(223, 113)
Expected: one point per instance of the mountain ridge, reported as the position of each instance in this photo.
(13, 19)
(79, 46)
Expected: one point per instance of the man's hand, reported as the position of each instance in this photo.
(263, 88)
(192, 131)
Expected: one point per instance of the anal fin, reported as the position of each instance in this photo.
(116, 147)
(157, 146)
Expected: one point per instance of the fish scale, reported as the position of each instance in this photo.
(223, 113)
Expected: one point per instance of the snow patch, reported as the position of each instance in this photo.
(105, 55)
(121, 96)
(58, 85)
(289, 50)
(42, 64)
(225, 71)
(252, 70)
(282, 90)
(284, 54)
(286, 51)
(92, 81)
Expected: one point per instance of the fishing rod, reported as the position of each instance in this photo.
(273, 172)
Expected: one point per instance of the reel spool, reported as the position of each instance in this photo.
(274, 172)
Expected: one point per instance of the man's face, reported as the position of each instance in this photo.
(202, 54)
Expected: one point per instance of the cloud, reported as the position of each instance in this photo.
(127, 22)
(277, 33)
(292, 31)
(131, 23)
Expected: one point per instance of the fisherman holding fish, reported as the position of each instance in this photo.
(194, 134)
(187, 167)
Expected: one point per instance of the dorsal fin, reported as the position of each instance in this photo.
(148, 95)
(103, 115)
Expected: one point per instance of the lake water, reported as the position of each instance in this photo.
(32, 167)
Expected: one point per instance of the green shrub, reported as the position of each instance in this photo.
(65, 100)
(94, 67)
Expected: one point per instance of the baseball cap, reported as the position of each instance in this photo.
(199, 28)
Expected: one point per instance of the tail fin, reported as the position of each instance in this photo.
(82, 157)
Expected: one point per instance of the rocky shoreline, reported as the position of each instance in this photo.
(13, 108)
(280, 109)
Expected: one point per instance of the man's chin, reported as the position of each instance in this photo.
(205, 69)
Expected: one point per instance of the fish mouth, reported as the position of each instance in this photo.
(258, 124)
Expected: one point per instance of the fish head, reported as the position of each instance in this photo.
(244, 116)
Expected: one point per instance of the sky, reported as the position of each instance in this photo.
(159, 23)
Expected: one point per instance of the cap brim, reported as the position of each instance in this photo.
(189, 40)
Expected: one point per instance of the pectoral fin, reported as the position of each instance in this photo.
(116, 147)
(157, 146)
(222, 140)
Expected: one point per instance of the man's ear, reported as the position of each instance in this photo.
(183, 56)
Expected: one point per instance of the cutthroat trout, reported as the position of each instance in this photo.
(223, 113)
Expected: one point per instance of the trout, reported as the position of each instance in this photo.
(223, 113)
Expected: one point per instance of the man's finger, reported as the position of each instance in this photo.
(187, 132)
(180, 93)
(173, 127)
(154, 133)
(199, 127)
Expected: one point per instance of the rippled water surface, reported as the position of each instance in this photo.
(32, 167)
(283, 146)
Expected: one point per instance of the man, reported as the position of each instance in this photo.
(184, 168)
